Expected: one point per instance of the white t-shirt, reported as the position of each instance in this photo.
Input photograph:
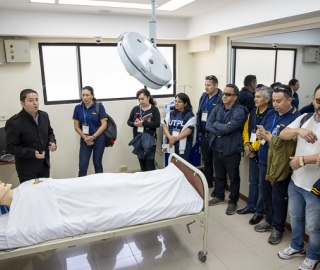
(307, 175)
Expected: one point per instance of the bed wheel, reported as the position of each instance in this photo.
(202, 256)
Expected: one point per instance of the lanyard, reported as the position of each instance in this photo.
(209, 101)
(177, 117)
(142, 113)
(84, 115)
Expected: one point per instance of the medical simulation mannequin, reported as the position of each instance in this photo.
(5, 194)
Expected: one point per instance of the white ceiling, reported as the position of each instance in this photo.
(195, 8)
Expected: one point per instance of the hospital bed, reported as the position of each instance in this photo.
(193, 175)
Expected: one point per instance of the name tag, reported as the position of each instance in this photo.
(85, 129)
(204, 116)
(253, 137)
(175, 132)
(140, 129)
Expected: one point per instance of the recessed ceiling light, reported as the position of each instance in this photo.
(174, 5)
(105, 4)
(43, 1)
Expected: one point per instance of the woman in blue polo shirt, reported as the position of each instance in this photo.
(179, 125)
(90, 126)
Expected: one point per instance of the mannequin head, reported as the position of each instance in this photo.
(5, 194)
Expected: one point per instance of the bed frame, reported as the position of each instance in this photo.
(196, 179)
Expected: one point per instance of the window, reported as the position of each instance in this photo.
(269, 65)
(66, 68)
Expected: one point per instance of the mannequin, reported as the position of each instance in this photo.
(5, 194)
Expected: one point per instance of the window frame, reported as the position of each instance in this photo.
(78, 45)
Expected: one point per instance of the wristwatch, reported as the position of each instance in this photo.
(301, 162)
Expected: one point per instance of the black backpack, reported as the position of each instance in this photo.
(305, 118)
(110, 133)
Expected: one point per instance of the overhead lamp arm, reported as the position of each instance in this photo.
(153, 24)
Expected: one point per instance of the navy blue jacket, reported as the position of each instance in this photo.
(246, 98)
(142, 145)
(228, 125)
(217, 100)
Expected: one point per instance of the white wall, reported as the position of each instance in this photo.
(15, 77)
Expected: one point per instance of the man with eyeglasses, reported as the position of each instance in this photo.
(275, 197)
(225, 125)
(209, 99)
(246, 96)
(304, 206)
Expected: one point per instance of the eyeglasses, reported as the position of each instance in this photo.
(285, 89)
(317, 100)
(211, 78)
(227, 94)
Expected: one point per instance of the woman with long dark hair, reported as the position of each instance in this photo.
(145, 118)
(179, 126)
(90, 126)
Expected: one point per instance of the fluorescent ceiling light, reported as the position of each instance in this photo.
(43, 1)
(174, 4)
(105, 4)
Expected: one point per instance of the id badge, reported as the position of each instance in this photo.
(85, 129)
(253, 137)
(204, 116)
(140, 129)
(175, 132)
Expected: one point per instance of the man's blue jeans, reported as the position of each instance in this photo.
(223, 165)
(304, 208)
(85, 154)
(255, 202)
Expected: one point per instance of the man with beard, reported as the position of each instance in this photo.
(304, 206)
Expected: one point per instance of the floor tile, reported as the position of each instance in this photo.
(248, 236)
(111, 250)
(229, 221)
(244, 259)
(268, 253)
(128, 263)
(75, 258)
(224, 243)
(214, 264)
(213, 227)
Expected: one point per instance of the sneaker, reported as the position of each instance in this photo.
(309, 264)
(263, 227)
(275, 237)
(289, 252)
(231, 209)
(215, 201)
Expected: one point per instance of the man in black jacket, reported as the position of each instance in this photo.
(246, 96)
(30, 138)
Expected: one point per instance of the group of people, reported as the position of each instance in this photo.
(263, 122)
(283, 149)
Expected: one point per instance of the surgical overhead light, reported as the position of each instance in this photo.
(142, 59)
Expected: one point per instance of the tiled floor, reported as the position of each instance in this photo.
(232, 244)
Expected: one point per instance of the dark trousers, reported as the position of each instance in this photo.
(187, 150)
(275, 199)
(148, 164)
(43, 173)
(227, 165)
(85, 154)
(207, 156)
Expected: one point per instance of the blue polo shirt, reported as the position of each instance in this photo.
(208, 105)
(82, 114)
(178, 122)
(269, 122)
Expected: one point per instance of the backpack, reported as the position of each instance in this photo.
(305, 118)
(110, 133)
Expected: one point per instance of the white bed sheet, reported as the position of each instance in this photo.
(67, 207)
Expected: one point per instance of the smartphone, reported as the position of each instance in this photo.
(261, 128)
(137, 115)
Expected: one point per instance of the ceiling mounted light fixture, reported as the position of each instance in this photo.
(142, 59)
